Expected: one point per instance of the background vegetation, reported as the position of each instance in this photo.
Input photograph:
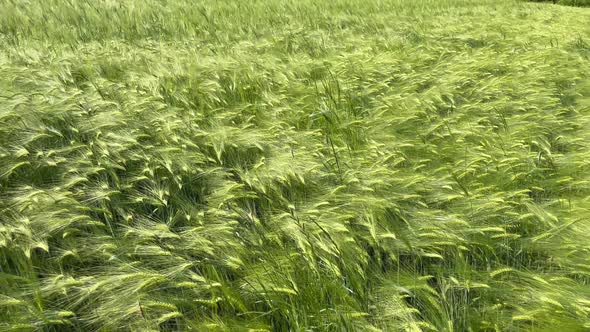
(298, 165)
(581, 3)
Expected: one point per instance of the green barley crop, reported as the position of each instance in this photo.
(347, 165)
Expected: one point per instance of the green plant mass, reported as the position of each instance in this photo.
(294, 165)
(580, 3)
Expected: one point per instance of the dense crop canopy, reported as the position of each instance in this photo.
(419, 165)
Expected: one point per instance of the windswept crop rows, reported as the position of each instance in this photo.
(294, 166)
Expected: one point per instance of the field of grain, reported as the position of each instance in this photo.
(294, 165)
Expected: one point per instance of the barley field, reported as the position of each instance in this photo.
(294, 165)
